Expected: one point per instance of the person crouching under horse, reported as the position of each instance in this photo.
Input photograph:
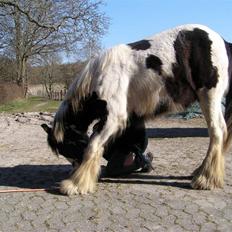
(125, 154)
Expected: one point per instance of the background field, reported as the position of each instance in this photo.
(31, 104)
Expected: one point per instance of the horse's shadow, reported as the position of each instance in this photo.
(48, 176)
(182, 182)
(33, 176)
(176, 132)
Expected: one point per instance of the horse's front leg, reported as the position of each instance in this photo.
(83, 180)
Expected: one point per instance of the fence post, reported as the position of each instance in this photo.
(58, 95)
(61, 95)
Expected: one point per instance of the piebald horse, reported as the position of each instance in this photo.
(161, 74)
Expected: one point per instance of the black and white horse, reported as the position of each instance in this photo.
(161, 74)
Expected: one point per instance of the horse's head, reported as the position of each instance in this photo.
(68, 136)
(73, 145)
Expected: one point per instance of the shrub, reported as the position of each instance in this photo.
(9, 92)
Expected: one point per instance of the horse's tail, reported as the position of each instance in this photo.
(228, 105)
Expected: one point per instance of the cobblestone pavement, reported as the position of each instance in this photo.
(159, 201)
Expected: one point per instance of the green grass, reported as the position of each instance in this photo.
(31, 104)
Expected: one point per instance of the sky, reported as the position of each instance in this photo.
(132, 20)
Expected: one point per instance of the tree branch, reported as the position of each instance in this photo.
(4, 3)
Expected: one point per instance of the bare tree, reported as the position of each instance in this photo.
(32, 28)
(50, 72)
(68, 72)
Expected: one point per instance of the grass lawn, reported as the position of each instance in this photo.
(31, 104)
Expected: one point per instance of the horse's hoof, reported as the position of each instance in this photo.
(202, 183)
(67, 187)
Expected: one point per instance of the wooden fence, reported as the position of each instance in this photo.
(58, 95)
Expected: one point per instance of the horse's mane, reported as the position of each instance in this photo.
(78, 90)
(85, 84)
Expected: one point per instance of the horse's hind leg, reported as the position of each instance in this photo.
(210, 174)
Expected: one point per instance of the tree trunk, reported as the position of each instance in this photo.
(22, 79)
(21, 59)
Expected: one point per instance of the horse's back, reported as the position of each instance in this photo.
(174, 65)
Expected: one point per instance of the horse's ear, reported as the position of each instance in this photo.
(46, 128)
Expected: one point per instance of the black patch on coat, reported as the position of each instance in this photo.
(179, 85)
(73, 144)
(94, 108)
(228, 107)
(91, 108)
(229, 54)
(193, 69)
(140, 45)
(75, 124)
(203, 73)
(132, 138)
(153, 62)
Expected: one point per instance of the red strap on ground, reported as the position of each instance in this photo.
(24, 190)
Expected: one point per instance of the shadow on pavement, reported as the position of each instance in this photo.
(180, 181)
(33, 176)
(48, 177)
(176, 132)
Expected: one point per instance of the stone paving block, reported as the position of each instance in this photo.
(208, 226)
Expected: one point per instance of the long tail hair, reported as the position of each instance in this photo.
(228, 106)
